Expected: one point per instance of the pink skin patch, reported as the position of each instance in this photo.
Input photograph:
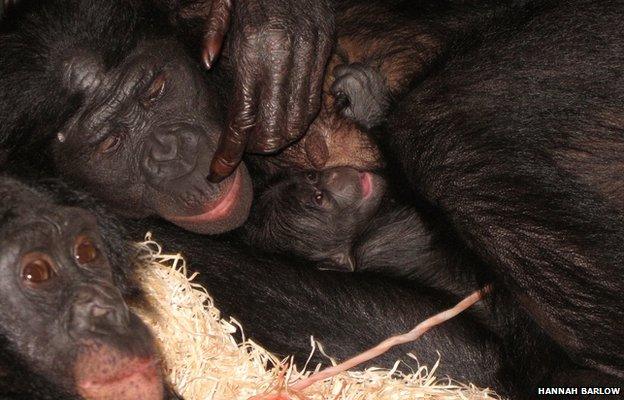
(366, 184)
(220, 208)
(104, 373)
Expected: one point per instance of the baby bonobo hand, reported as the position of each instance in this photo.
(360, 93)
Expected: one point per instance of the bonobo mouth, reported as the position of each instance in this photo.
(227, 212)
(105, 373)
(220, 207)
(366, 184)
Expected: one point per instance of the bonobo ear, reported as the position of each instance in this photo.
(342, 261)
(82, 72)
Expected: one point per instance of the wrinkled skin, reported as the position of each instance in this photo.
(375, 59)
(175, 142)
(331, 141)
(132, 119)
(61, 313)
(278, 51)
(382, 47)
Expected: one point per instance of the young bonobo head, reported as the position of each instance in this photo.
(126, 111)
(317, 215)
(61, 313)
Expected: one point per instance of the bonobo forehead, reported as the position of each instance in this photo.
(29, 220)
(23, 208)
(144, 137)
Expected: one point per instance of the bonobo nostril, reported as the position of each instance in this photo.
(96, 310)
(164, 146)
(333, 176)
(99, 312)
(173, 152)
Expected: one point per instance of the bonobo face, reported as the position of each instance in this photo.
(144, 137)
(59, 308)
(317, 215)
(341, 190)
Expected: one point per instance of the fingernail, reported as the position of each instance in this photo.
(213, 177)
(212, 49)
(218, 171)
(207, 58)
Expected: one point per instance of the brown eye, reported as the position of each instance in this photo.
(110, 143)
(311, 176)
(155, 90)
(36, 269)
(85, 251)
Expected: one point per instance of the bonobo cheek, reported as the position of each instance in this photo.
(105, 373)
(228, 212)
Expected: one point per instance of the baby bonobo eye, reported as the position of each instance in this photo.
(155, 90)
(318, 198)
(84, 250)
(311, 176)
(36, 269)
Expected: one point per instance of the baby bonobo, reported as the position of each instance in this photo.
(65, 329)
(337, 219)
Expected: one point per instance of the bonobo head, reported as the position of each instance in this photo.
(60, 310)
(144, 137)
(144, 123)
(317, 215)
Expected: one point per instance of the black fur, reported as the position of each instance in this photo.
(518, 144)
(88, 87)
(48, 325)
(280, 304)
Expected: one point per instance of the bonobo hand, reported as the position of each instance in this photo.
(278, 50)
(361, 94)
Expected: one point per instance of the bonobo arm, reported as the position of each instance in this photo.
(385, 45)
(496, 144)
(281, 302)
(278, 50)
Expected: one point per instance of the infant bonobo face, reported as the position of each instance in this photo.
(335, 191)
(317, 215)
(60, 311)
(144, 137)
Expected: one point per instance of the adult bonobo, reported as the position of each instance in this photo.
(65, 329)
(520, 143)
(517, 141)
(103, 94)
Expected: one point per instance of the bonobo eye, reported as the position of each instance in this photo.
(36, 269)
(84, 250)
(318, 198)
(109, 144)
(155, 90)
(310, 176)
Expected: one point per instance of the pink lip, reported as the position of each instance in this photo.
(366, 184)
(219, 208)
(144, 367)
